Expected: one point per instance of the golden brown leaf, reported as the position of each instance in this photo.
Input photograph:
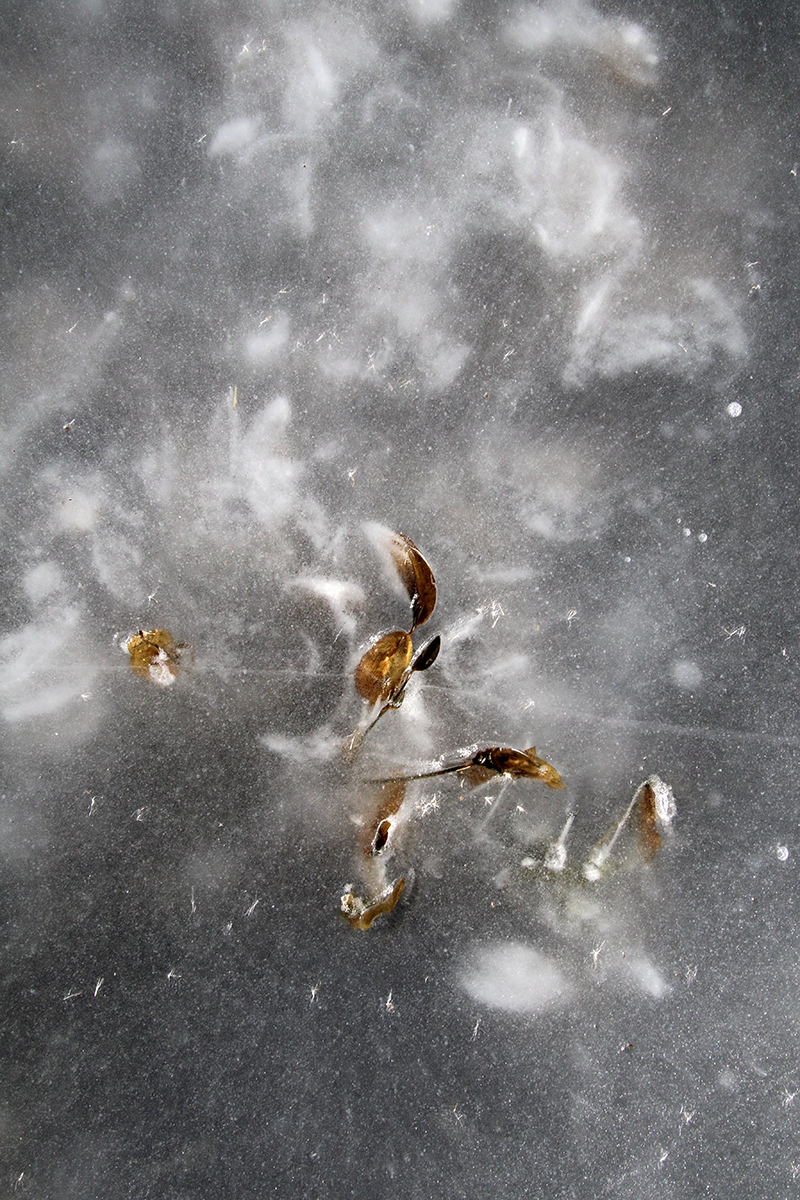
(156, 655)
(381, 669)
(416, 576)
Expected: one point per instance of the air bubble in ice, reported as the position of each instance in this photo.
(515, 978)
(686, 674)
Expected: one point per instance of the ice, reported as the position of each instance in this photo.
(279, 283)
(516, 978)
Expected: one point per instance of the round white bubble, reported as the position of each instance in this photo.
(734, 409)
(782, 853)
(685, 673)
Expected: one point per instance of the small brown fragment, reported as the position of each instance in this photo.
(380, 672)
(361, 915)
(156, 655)
(649, 836)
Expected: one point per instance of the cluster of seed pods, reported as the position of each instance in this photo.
(381, 678)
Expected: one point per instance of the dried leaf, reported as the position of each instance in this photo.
(381, 669)
(416, 576)
(156, 655)
(361, 915)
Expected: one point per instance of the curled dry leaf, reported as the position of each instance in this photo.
(416, 577)
(380, 672)
(156, 655)
(361, 915)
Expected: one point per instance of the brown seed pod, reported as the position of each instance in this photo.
(156, 655)
(500, 760)
(416, 577)
(649, 836)
(380, 672)
(381, 836)
(518, 764)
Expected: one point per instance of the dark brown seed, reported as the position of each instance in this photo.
(518, 764)
(381, 837)
(427, 655)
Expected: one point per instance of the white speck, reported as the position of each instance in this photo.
(702, 537)
(686, 531)
(666, 808)
(233, 135)
(782, 853)
(685, 673)
(648, 977)
(734, 409)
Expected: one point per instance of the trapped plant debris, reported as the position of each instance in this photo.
(495, 760)
(155, 655)
(381, 677)
(383, 667)
(416, 577)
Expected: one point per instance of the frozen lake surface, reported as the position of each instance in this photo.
(520, 283)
